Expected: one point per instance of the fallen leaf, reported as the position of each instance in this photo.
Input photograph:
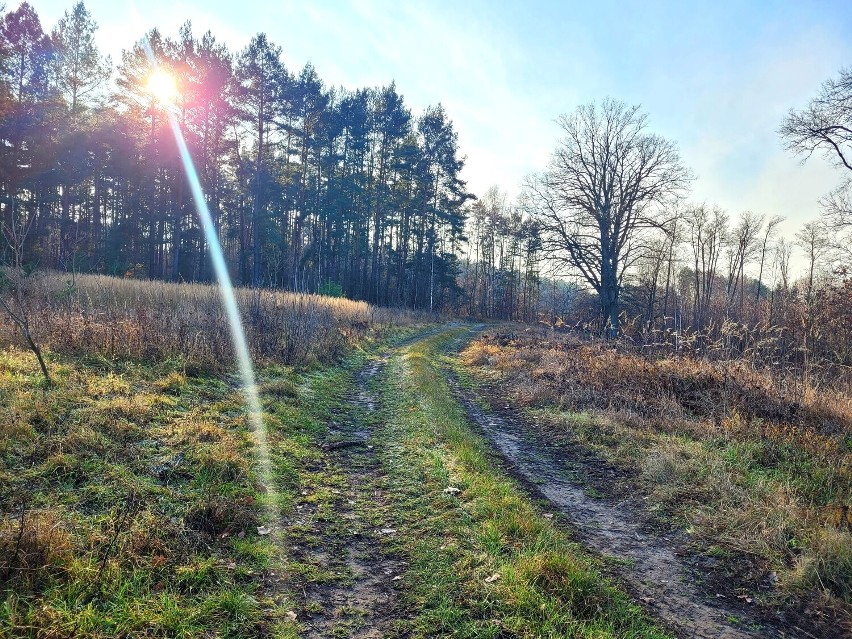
(492, 578)
(291, 615)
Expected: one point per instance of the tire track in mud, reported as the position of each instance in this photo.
(651, 566)
(363, 604)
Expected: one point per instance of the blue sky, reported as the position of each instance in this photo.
(717, 77)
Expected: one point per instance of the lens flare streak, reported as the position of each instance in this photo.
(232, 310)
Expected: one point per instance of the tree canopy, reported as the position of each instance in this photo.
(309, 186)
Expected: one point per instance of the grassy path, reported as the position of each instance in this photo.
(341, 576)
(468, 555)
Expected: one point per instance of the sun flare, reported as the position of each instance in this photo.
(162, 86)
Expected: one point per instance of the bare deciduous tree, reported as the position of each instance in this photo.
(741, 249)
(607, 182)
(812, 238)
(708, 234)
(771, 226)
(826, 125)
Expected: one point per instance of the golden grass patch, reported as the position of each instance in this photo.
(34, 545)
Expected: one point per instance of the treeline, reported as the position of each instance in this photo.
(704, 282)
(716, 283)
(502, 268)
(311, 188)
(319, 189)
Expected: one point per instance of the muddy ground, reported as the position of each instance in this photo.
(358, 596)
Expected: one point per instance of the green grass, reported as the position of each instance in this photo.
(140, 500)
(142, 503)
(484, 562)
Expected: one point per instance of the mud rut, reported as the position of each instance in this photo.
(363, 606)
(652, 567)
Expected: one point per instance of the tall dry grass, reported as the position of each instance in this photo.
(798, 356)
(583, 374)
(152, 320)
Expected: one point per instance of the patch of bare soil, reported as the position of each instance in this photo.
(657, 568)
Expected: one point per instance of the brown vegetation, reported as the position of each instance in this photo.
(748, 460)
(100, 316)
(581, 374)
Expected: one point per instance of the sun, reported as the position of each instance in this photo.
(162, 86)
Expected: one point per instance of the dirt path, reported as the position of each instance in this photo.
(359, 600)
(651, 566)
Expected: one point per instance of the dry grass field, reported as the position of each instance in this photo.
(112, 318)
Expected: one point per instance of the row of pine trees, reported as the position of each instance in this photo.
(311, 188)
